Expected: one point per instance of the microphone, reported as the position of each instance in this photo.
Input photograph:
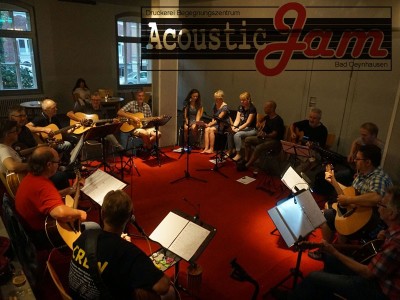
(134, 223)
(197, 208)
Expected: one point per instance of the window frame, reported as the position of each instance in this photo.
(126, 39)
(35, 48)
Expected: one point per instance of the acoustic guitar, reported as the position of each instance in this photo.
(61, 234)
(56, 132)
(350, 218)
(13, 180)
(298, 138)
(27, 151)
(91, 121)
(128, 127)
(363, 254)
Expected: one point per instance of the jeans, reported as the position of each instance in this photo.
(337, 279)
(235, 139)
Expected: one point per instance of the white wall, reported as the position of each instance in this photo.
(346, 98)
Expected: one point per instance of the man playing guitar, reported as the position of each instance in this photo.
(40, 125)
(139, 106)
(349, 279)
(312, 128)
(121, 270)
(11, 164)
(95, 108)
(37, 197)
(370, 183)
(270, 131)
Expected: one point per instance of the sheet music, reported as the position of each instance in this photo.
(293, 180)
(180, 235)
(168, 229)
(314, 213)
(99, 184)
(293, 212)
(190, 239)
(75, 152)
(297, 216)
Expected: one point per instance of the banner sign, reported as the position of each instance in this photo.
(291, 37)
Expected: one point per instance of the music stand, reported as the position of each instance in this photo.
(156, 123)
(185, 236)
(296, 150)
(296, 217)
(73, 159)
(100, 132)
(294, 181)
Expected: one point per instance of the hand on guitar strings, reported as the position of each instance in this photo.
(344, 200)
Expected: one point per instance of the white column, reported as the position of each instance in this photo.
(165, 89)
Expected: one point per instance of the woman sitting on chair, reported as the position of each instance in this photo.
(220, 121)
(243, 126)
(192, 111)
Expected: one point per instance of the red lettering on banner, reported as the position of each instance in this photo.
(285, 48)
(320, 37)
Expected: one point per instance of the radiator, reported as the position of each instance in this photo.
(6, 104)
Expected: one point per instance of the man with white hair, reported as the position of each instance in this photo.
(40, 124)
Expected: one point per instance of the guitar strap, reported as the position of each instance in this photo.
(91, 253)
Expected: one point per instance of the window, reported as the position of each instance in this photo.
(132, 70)
(17, 48)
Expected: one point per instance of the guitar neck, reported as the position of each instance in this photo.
(78, 189)
(64, 129)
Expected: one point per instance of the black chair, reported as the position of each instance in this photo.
(21, 242)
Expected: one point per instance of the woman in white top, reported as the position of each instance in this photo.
(81, 92)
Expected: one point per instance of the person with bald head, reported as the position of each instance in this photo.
(49, 116)
(37, 197)
(270, 131)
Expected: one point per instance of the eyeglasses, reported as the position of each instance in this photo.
(19, 116)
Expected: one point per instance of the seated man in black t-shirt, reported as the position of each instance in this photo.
(270, 131)
(311, 128)
(25, 137)
(95, 108)
(124, 268)
(45, 124)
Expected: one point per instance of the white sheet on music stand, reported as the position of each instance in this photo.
(297, 217)
(99, 184)
(75, 152)
(179, 235)
(293, 180)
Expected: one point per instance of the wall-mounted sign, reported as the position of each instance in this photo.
(292, 37)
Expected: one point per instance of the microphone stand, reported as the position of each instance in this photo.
(186, 149)
(221, 154)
